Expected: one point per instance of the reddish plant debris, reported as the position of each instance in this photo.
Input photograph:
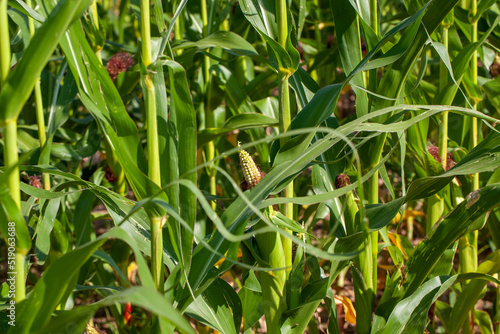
(434, 151)
(330, 41)
(346, 104)
(495, 67)
(110, 176)
(300, 49)
(119, 63)
(35, 181)
(342, 180)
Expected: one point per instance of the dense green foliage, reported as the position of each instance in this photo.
(134, 207)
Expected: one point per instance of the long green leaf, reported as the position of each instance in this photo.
(348, 35)
(483, 158)
(469, 296)
(410, 315)
(144, 297)
(227, 40)
(12, 219)
(218, 307)
(456, 224)
(185, 131)
(19, 84)
(100, 96)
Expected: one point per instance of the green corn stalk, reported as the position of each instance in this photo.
(5, 39)
(178, 27)
(296, 277)
(360, 265)
(372, 74)
(435, 203)
(272, 282)
(11, 157)
(443, 81)
(209, 114)
(15, 90)
(285, 116)
(349, 35)
(11, 160)
(95, 18)
(435, 206)
(467, 245)
(157, 223)
(374, 24)
(10, 130)
(42, 137)
(474, 125)
(121, 19)
(391, 85)
(271, 252)
(368, 258)
(318, 39)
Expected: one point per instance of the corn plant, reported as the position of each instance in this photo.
(250, 166)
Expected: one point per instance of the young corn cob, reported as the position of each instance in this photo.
(271, 252)
(251, 173)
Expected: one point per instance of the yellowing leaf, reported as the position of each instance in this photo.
(350, 311)
(218, 263)
(90, 330)
(407, 214)
(387, 267)
(131, 269)
(397, 242)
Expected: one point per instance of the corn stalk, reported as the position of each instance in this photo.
(209, 114)
(11, 157)
(40, 119)
(285, 117)
(152, 136)
(467, 246)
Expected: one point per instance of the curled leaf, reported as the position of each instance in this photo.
(350, 311)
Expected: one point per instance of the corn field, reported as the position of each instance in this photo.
(250, 166)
